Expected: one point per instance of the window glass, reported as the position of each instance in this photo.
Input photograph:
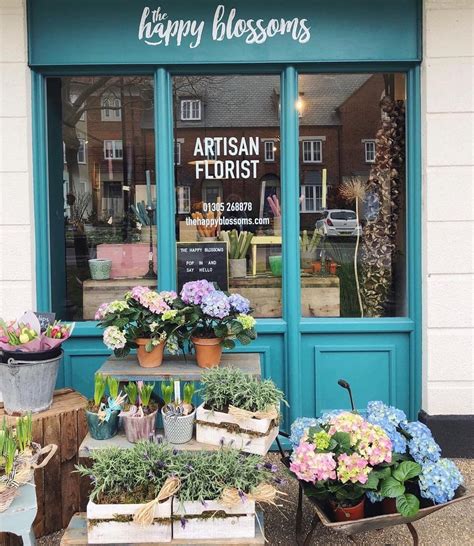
(108, 183)
(228, 223)
(352, 198)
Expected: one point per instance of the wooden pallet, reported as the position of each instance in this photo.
(57, 486)
(76, 535)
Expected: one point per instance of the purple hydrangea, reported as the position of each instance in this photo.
(239, 303)
(216, 304)
(193, 292)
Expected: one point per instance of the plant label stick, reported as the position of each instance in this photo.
(177, 392)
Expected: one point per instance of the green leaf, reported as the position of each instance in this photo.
(228, 344)
(371, 483)
(149, 346)
(235, 327)
(408, 505)
(343, 440)
(406, 470)
(391, 488)
(244, 339)
(381, 473)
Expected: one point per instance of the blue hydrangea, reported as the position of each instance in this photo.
(216, 305)
(328, 415)
(373, 496)
(239, 303)
(299, 427)
(439, 481)
(421, 446)
(377, 410)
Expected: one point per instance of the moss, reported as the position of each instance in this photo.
(125, 518)
(235, 429)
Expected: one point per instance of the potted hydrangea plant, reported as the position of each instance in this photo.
(215, 320)
(145, 320)
(139, 415)
(339, 457)
(238, 410)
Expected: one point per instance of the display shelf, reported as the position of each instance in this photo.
(76, 535)
(128, 369)
(89, 444)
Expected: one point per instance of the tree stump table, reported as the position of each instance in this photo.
(57, 486)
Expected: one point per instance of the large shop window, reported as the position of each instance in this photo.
(352, 198)
(228, 221)
(108, 186)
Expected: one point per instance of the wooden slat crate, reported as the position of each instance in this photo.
(58, 488)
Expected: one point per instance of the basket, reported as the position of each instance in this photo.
(6, 496)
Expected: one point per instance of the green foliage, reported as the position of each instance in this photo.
(408, 505)
(9, 451)
(113, 385)
(139, 473)
(131, 390)
(145, 393)
(99, 388)
(167, 391)
(224, 386)
(188, 393)
(307, 244)
(393, 486)
(24, 432)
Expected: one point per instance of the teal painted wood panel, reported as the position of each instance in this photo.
(376, 366)
(65, 33)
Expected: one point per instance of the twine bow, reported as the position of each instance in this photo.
(145, 514)
(232, 497)
(239, 413)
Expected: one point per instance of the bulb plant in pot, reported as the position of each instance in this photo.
(139, 415)
(215, 320)
(145, 320)
(238, 410)
(237, 245)
(338, 459)
(102, 413)
(178, 415)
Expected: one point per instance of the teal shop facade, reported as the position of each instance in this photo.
(379, 356)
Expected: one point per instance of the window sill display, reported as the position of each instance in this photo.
(145, 320)
(238, 411)
(215, 321)
(102, 413)
(30, 362)
(133, 491)
(178, 416)
(238, 245)
(139, 415)
(100, 269)
(19, 457)
(381, 459)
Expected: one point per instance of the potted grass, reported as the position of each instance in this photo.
(215, 320)
(102, 413)
(178, 415)
(238, 410)
(151, 492)
(139, 416)
(145, 320)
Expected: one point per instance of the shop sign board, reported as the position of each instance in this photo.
(201, 260)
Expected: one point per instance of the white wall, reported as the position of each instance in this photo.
(16, 202)
(448, 120)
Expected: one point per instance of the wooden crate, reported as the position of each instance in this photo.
(57, 486)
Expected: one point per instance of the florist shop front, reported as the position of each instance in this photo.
(271, 148)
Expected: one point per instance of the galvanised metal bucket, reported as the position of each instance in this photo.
(28, 385)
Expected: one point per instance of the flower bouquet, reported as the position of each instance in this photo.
(139, 414)
(340, 456)
(102, 412)
(145, 320)
(178, 415)
(215, 320)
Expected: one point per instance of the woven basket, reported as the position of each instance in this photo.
(6, 496)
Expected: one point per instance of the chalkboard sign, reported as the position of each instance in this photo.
(198, 261)
(45, 319)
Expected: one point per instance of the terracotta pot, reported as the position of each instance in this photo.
(349, 513)
(316, 267)
(389, 506)
(154, 358)
(332, 268)
(139, 428)
(208, 351)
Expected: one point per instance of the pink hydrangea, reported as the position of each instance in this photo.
(101, 312)
(193, 292)
(311, 466)
(375, 445)
(150, 299)
(353, 468)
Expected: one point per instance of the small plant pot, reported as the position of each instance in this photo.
(208, 351)
(178, 429)
(275, 265)
(332, 269)
(238, 267)
(100, 269)
(307, 259)
(349, 513)
(154, 358)
(277, 225)
(139, 428)
(102, 430)
(316, 266)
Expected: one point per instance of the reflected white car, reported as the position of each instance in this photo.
(339, 222)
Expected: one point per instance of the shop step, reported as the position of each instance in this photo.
(76, 535)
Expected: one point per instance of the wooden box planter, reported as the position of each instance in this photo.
(249, 435)
(112, 524)
(212, 520)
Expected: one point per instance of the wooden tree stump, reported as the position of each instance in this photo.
(57, 486)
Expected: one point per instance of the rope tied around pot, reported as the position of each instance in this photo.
(239, 413)
(263, 493)
(145, 514)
